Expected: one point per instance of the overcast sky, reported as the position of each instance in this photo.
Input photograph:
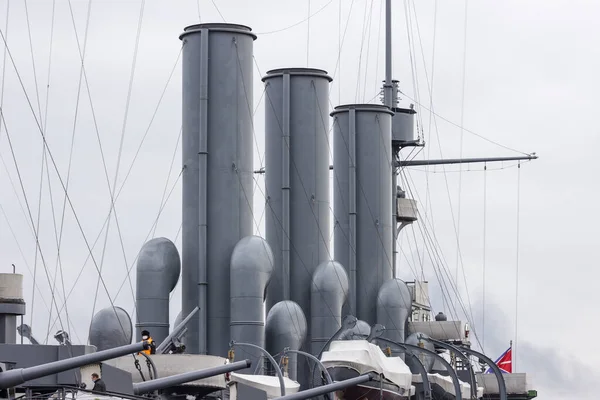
(531, 84)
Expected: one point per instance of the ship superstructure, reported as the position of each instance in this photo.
(334, 316)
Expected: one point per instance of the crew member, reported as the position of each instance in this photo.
(99, 385)
(146, 336)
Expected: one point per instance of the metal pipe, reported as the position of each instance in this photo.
(152, 364)
(163, 383)
(352, 209)
(395, 231)
(459, 354)
(19, 376)
(285, 189)
(494, 367)
(415, 163)
(387, 88)
(271, 359)
(318, 391)
(451, 372)
(203, 197)
(315, 359)
(348, 323)
(176, 331)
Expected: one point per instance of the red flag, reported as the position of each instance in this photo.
(504, 362)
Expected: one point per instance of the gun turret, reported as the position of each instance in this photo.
(163, 383)
(19, 376)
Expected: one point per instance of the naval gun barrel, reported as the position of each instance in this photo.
(162, 383)
(165, 344)
(321, 390)
(19, 376)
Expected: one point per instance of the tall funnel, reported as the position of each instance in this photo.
(297, 183)
(297, 179)
(362, 167)
(217, 175)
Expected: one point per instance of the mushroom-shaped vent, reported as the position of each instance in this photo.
(427, 360)
(360, 330)
(159, 262)
(286, 327)
(441, 317)
(110, 328)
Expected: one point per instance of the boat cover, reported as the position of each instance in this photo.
(268, 384)
(365, 357)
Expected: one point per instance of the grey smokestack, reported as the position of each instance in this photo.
(328, 295)
(363, 202)
(217, 152)
(297, 183)
(251, 268)
(394, 305)
(158, 268)
(110, 328)
(285, 327)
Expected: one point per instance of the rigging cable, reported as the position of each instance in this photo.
(219, 11)
(162, 199)
(377, 86)
(77, 220)
(126, 176)
(441, 154)
(308, 34)
(119, 156)
(369, 47)
(462, 119)
(366, 19)
(297, 23)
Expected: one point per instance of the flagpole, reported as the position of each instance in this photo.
(513, 358)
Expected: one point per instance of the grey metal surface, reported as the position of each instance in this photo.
(11, 306)
(403, 126)
(163, 383)
(371, 125)
(297, 179)
(117, 380)
(110, 328)
(269, 357)
(251, 269)
(24, 356)
(286, 327)
(178, 320)
(446, 364)
(176, 333)
(349, 322)
(158, 268)
(329, 292)
(18, 376)
(361, 328)
(414, 340)
(415, 163)
(497, 371)
(394, 305)
(315, 360)
(318, 391)
(217, 150)
(457, 351)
